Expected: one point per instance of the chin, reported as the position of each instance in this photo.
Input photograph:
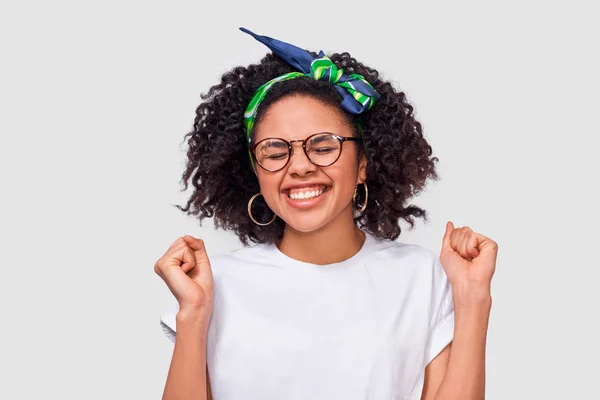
(305, 225)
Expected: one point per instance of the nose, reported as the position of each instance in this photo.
(299, 163)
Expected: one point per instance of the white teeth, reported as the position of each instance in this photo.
(305, 195)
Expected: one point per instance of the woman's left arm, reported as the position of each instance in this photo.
(458, 372)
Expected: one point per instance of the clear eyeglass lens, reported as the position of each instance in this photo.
(323, 149)
(272, 154)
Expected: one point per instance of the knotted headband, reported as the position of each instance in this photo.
(358, 95)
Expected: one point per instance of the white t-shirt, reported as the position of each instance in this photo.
(363, 328)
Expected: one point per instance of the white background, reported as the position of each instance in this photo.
(95, 100)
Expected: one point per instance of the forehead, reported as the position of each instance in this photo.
(297, 117)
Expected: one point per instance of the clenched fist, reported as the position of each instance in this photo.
(185, 268)
(469, 259)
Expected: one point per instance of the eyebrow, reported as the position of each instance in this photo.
(317, 139)
(273, 143)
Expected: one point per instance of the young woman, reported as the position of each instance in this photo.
(313, 159)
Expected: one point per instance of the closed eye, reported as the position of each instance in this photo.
(324, 150)
(278, 156)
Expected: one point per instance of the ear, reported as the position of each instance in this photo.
(362, 168)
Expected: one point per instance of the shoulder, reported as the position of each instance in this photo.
(399, 252)
(234, 259)
(410, 261)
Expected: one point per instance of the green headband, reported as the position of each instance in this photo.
(358, 95)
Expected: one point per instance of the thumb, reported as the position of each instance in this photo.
(203, 273)
(446, 239)
(197, 245)
(447, 234)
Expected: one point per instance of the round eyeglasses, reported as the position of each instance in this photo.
(322, 149)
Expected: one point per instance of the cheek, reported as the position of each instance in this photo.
(344, 176)
(269, 185)
(345, 187)
(348, 163)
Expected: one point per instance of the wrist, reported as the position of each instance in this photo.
(193, 318)
(466, 294)
(474, 306)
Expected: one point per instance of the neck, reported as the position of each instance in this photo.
(335, 242)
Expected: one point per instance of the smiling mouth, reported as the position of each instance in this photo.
(306, 193)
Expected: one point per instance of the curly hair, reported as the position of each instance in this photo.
(399, 158)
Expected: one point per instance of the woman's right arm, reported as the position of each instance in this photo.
(186, 270)
(188, 375)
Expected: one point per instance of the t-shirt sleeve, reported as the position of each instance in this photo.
(441, 327)
(167, 322)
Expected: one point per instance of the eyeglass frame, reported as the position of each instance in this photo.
(341, 139)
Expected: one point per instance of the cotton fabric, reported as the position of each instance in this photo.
(363, 328)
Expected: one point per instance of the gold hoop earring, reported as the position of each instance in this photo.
(250, 211)
(364, 206)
